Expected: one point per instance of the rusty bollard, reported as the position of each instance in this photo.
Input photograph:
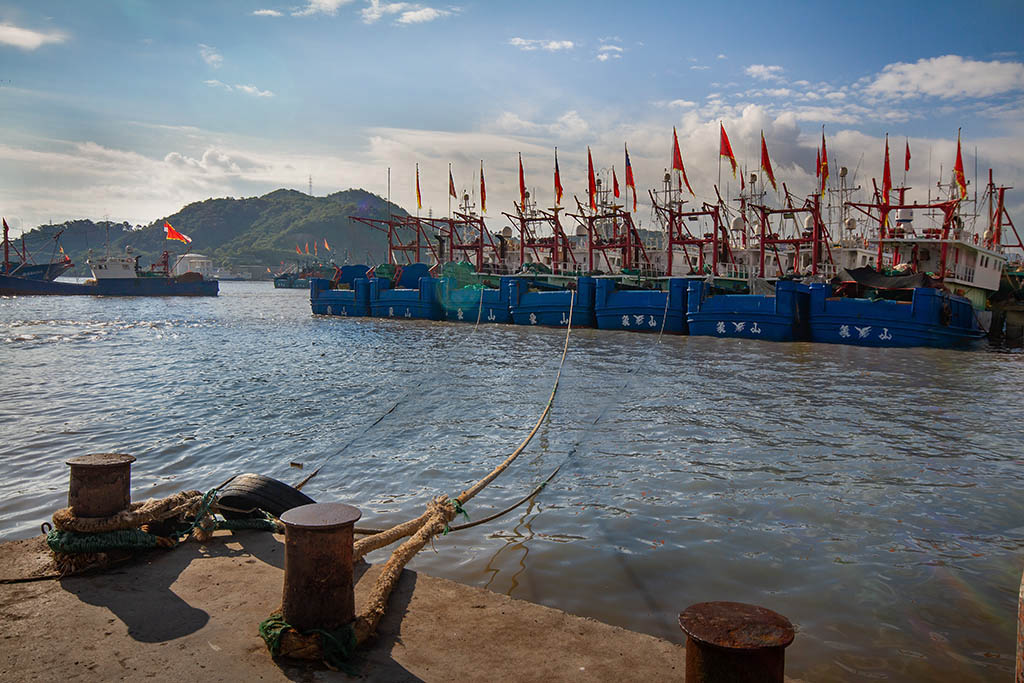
(100, 484)
(1020, 632)
(318, 566)
(733, 642)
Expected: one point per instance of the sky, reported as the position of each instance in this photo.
(129, 110)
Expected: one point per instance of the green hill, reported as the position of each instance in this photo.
(246, 231)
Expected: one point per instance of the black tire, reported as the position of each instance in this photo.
(247, 491)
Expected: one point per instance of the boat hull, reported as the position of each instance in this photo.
(468, 305)
(551, 308)
(143, 286)
(421, 303)
(932, 318)
(782, 317)
(641, 310)
(353, 302)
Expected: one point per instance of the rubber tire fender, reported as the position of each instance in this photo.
(248, 491)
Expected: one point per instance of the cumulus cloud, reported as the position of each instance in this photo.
(549, 45)
(407, 12)
(27, 39)
(948, 77)
(211, 56)
(606, 52)
(764, 72)
(312, 7)
(266, 13)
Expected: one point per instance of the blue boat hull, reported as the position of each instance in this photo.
(467, 305)
(421, 303)
(932, 318)
(354, 302)
(641, 310)
(143, 286)
(551, 308)
(782, 317)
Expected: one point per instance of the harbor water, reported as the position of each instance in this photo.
(873, 496)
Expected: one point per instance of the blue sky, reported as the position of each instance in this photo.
(131, 109)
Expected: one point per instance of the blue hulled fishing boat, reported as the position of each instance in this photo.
(347, 294)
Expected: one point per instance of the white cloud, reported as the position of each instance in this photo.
(27, 39)
(266, 13)
(211, 56)
(247, 89)
(329, 7)
(610, 48)
(408, 12)
(765, 72)
(549, 45)
(422, 15)
(253, 90)
(606, 52)
(948, 77)
(375, 10)
(699, 67)
(721, 57)
(682, 104)
(568, 125)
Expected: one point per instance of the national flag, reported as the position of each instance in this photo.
(615, 183)
(326, 246)
(5, 225)
(419, 199)
(886, 175)
(522, 184)
(483, 189)
(824, 163)
(725, 149)
(315, 250)
(591, 182)
(766, 163)
(451, 185)
(817, 165)
(677, 162)
(307, 248)
(906, 159)
(297, 250)
(629, 176)
(558, 181)
(172, 234)
(958, 169)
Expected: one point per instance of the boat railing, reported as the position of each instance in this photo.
(962, 272)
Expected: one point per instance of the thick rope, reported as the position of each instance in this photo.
(137, 514)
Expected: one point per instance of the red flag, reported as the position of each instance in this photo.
(677, 161)
(766, 163)
(906, 160)
(725, 149)
(451, 184)
(886, 175)
(958, 169)
(483, 189)
(522, 184)
(824, 164)
(558, 181)
(629, 176)
(419, 200)
(615, 183)
(307, 248)
(297, 250)
(172, 234)
(316, 252)
(817, 165)
(591, 182)
(326, 246)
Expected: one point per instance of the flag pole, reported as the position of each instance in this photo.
(449, 194)
(720, 129)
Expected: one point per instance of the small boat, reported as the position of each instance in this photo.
(24, 268)
(117, 276)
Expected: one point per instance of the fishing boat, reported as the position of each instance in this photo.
(347, 294)
(118, 275)
(406, 292)
(25, 268)
(937, 290)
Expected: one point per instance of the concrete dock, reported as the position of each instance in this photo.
(192, 613)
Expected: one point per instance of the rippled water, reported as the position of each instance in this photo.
(870, 495)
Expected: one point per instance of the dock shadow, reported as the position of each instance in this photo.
(134, 593)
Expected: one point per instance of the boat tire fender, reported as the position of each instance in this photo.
(248, 491)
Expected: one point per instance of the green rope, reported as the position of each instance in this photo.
(72, 542)
(338, 646)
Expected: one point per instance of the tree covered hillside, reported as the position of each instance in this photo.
(253, 230)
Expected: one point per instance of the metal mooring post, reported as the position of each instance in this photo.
(1020, 632)
(735, 643)
(100, 484)
(318, 566)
